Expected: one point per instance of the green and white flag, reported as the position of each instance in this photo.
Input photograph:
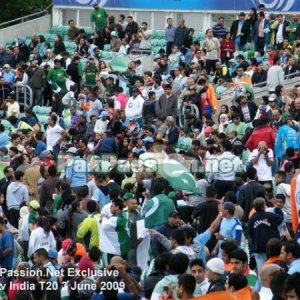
(178, 176)
(115, 235)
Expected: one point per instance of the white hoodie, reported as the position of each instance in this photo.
(134, 107)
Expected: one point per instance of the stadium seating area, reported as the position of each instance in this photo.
(158, 39)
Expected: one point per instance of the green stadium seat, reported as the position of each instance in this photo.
(36, 109)
(160, 34)
(42, 120)
(105, 55)
(162, 43)
(106, 47)
(156, 49)
(54, 29)
(119, 63)
(154, 42)
(7, 125)
(45, 110)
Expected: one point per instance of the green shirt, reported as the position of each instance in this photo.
(32, 217)
(98, 17)
(90, 75)
(240, 129)
(292, 35)
(57, 75)
(56, 204)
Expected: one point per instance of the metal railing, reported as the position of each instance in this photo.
(26, 18)
(23, 93)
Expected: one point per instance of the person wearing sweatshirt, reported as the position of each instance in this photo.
(17, 192)
(134, 106)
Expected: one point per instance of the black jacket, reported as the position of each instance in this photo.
(218, 285)
(131, 29)
(245, 30)
(252, 111)
(259, 77)
(247, 195)
(263, 227)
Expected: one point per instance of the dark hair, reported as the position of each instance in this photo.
(239, 254)
(179, 236)
(91, 206)
(52, 171)
(2, 129)
(251, 173)
(273, 247)
(118, 202)
(95, 254)
(277, 283)
(188, 282)
(43, 222)
(293, 248)
(237, 280)
(161, 261)
(158, 188)
(276, 59)
(197, 262)
(178, 263)
(226, 144)
(19, 175)
(190, 232)
(41, 252)
(211, 192)
(228, 247)
(292, 283)
(230, 196)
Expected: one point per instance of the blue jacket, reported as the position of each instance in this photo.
(173, 135)
(286, 137)
(264, 224)
(107, 145)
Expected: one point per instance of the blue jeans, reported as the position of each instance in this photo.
(260, 259)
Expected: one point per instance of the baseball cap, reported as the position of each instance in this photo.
(45, 153)
(229, 206)
(216, 265)
(6, 66)
(65, 244)
(262, 107)
(286, 116)
(128, 196)
(52, 253)
(34, 204)
(242, 14)
(72, 150)
(95, 3)
(103, 114)
(272, 97)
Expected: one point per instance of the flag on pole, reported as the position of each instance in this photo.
(295, 201)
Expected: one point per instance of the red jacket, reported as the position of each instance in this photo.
(266, 134)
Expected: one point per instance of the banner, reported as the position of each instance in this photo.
(238, 5)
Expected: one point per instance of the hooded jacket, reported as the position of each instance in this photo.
(17, 193)
(285, 189)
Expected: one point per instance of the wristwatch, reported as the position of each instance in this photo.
(225, 239)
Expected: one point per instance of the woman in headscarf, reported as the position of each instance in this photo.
(223, 122)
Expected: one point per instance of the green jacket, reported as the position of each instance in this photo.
(57, 75)
(157, 210)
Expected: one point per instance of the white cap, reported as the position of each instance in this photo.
(216, 265)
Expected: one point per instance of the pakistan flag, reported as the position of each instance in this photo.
(178, 176)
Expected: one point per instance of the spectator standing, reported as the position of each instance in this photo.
(73, 31)
(212, 47)
(134, 106)
(275, 75)
(170, 35)
(98, 17)
(180, 33)
(168, 103)
(219, 30)
(239, 31)
(261, 32)
(263, 224)
(227, 48)
(145, 37)
(131, 28)
(7, 247)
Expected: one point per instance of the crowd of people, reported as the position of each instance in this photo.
(87, 209)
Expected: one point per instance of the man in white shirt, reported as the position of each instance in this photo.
(54, 134)
(102, 122)
(229, 164)
(197, 268)
(275, 75)
(262, 159)
(134, 106)
(145, 37)
(13, 107)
